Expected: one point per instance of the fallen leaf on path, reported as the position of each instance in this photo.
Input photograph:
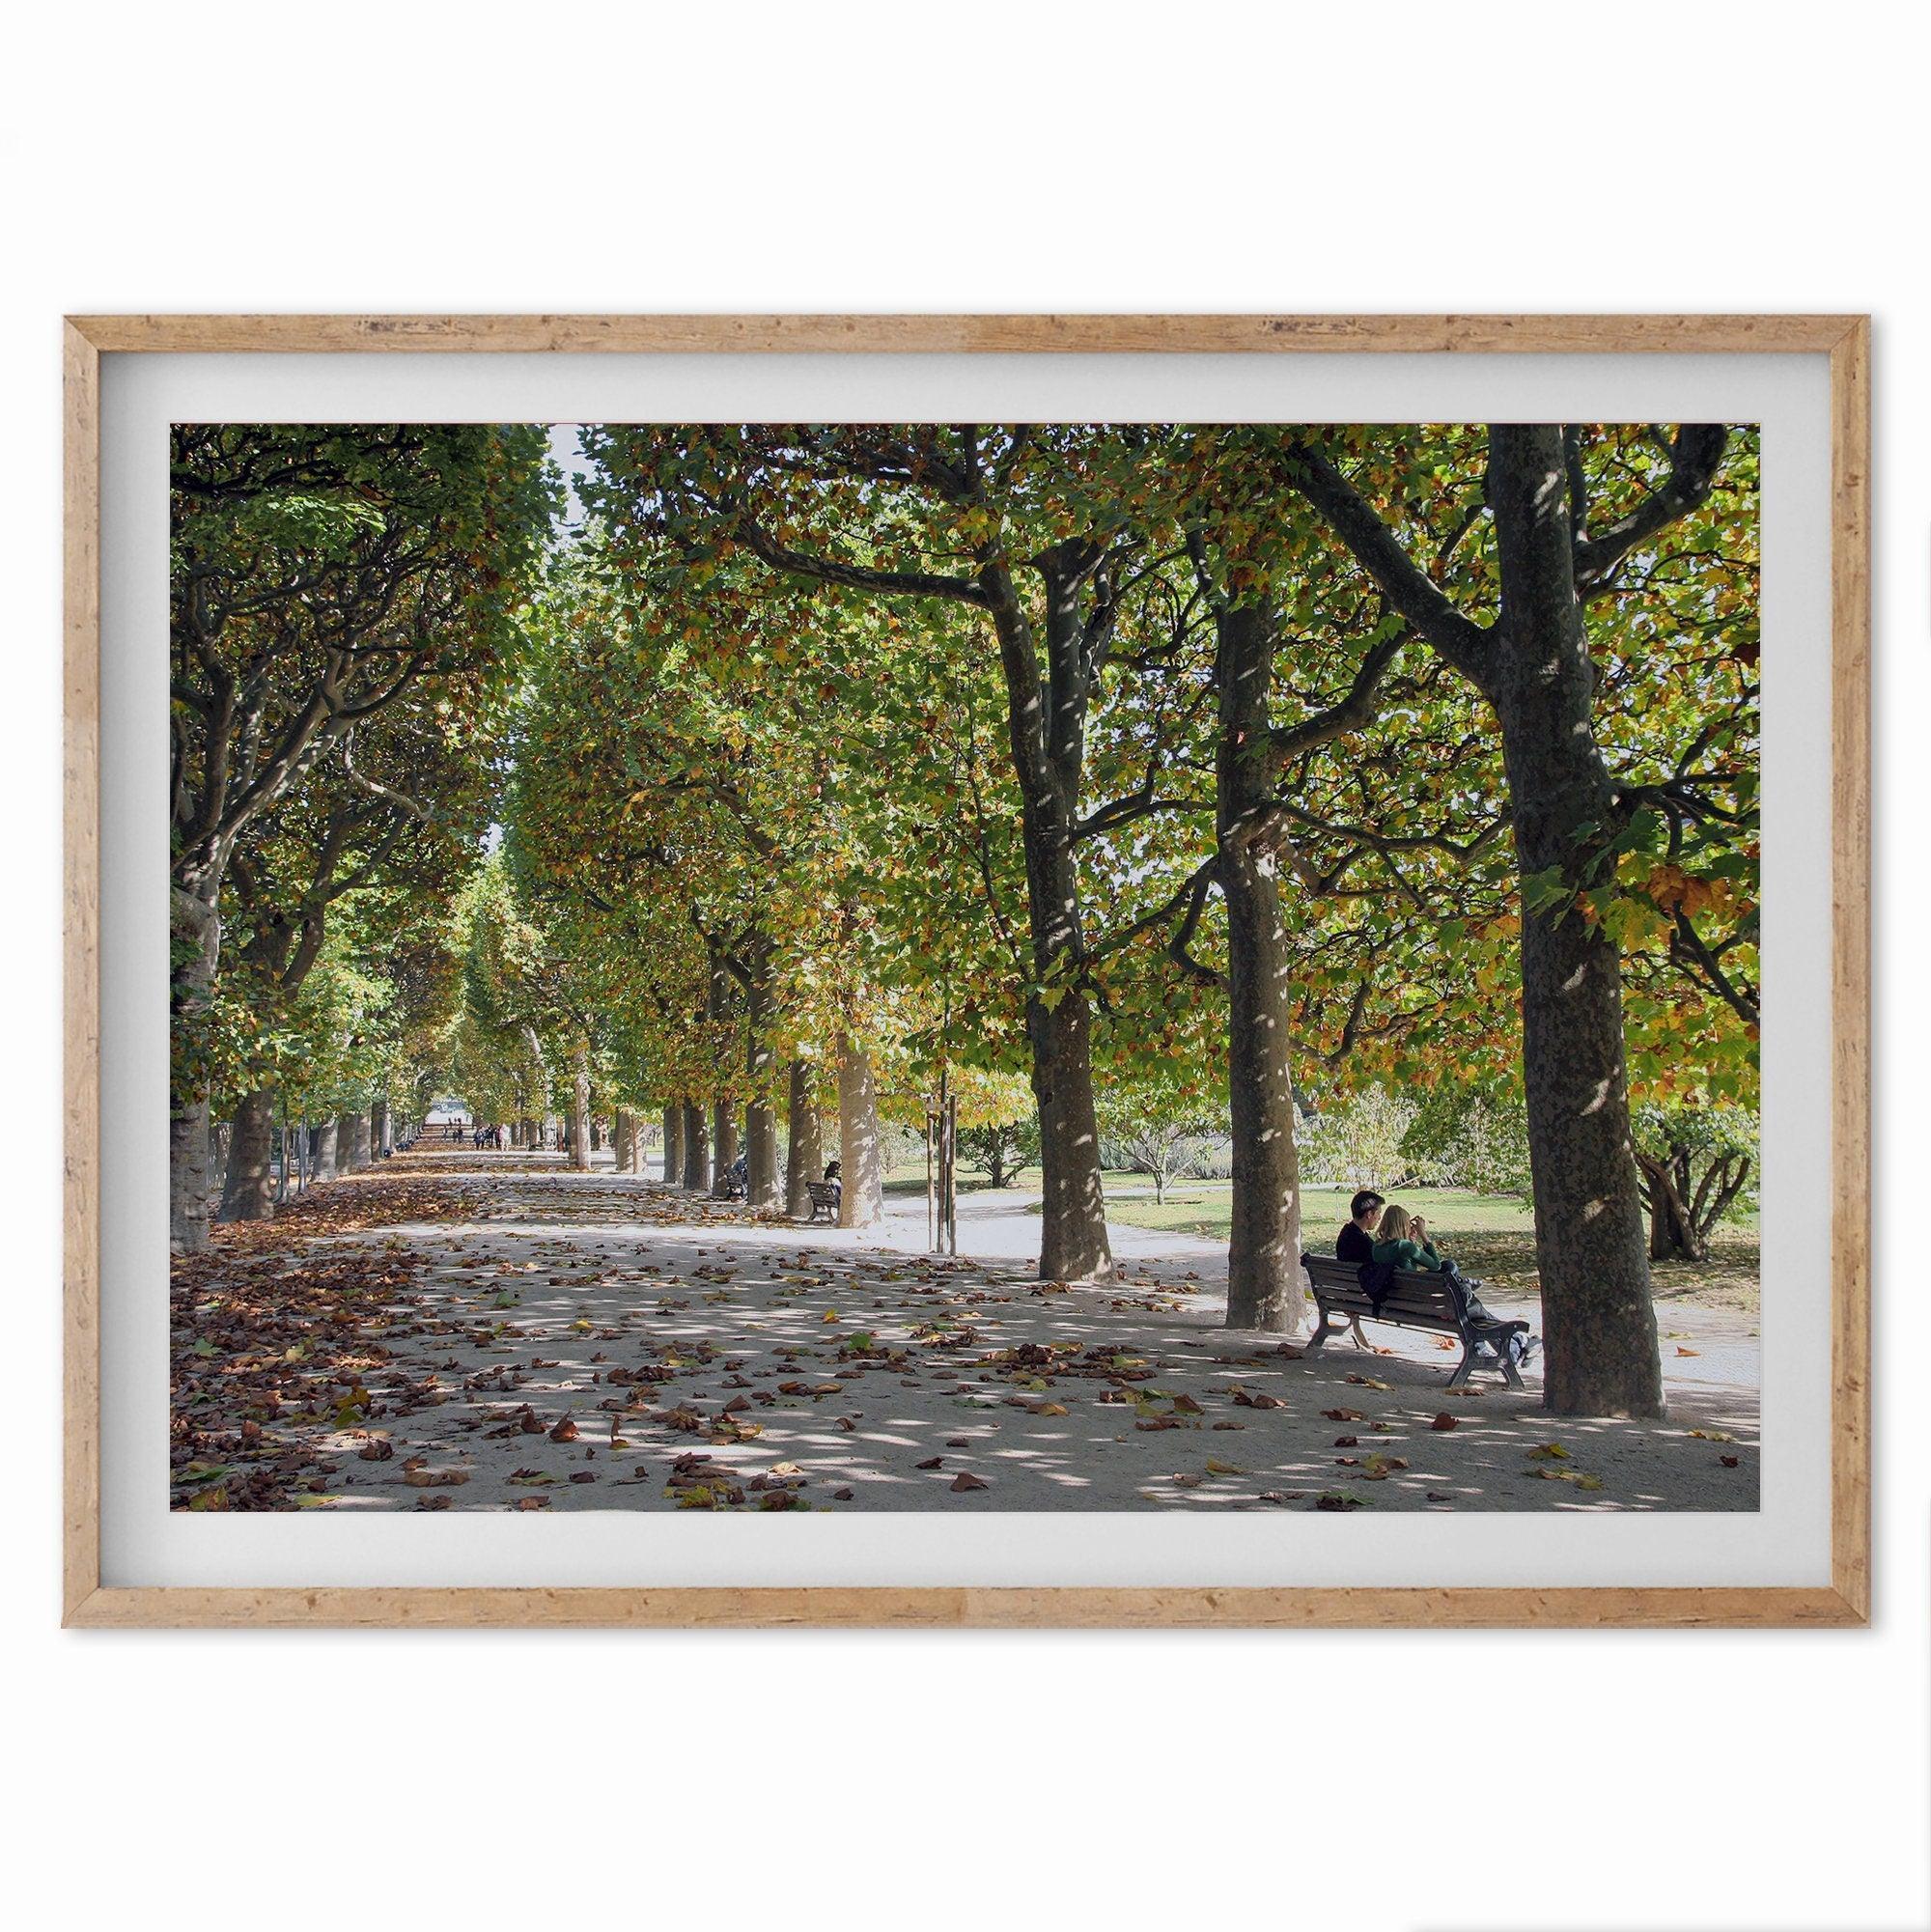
(963, 1481)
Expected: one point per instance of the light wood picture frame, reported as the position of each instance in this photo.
(1844, 341)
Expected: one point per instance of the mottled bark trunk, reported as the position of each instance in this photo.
(761, 1121)
(673, 1154)
(761, 1156)
(195, 942)
(1072, 1243)
(322, 1140)
(1264, 1272)
(1599, 1321)
(380, 1128)
(579, 1108)
(803, 1156)
(696, 1149)
(250, 1192)
(723, 1144)
(624, 1140)
(1047, 725)
(860, 1156)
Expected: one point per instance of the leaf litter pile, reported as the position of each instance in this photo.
(531, 1341)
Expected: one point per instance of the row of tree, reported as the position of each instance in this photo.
(1222, 767)
(348, 605)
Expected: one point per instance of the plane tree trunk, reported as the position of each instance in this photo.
(580, 1107)
(1599, 1321)
(696, 1149)
(803, 1156)
(195, 942)
(1048, 731)
(860, 1156)
(248, 1194)
(1264, 1274)
(761, 1121)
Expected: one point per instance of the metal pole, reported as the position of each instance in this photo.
(952, 1172)
(931, 1213)
(944, 1150)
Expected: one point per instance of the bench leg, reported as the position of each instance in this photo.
(1509, 1374)
(1463, 1366)
(1315, 1341)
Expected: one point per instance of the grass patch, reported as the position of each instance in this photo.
(1491, 1236)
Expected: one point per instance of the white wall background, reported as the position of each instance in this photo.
(1002, 156)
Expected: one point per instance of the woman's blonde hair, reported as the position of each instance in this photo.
(1394, 1224)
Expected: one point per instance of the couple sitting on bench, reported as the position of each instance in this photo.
(1382, 1240)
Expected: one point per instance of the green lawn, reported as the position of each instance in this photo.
(1202, 1208)
(1492, 1236)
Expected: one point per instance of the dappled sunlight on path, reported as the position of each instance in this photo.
(497, 1332)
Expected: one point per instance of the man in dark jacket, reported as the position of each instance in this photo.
(1356, 1242)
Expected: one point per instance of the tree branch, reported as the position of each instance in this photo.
(1461, 641)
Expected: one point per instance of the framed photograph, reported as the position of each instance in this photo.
(968, 970)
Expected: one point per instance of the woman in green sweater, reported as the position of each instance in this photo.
(1402, 1241)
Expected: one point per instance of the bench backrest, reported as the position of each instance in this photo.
(822, 1191)
(1410, 1296)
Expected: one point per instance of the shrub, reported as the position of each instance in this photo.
(1358, 1142)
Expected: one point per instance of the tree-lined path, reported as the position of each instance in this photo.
(500, 1332)
(1307, 806)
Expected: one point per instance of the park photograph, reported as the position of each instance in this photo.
(1181, 969)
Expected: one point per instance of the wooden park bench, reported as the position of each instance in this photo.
(824, 1196)
(1435, 1303)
